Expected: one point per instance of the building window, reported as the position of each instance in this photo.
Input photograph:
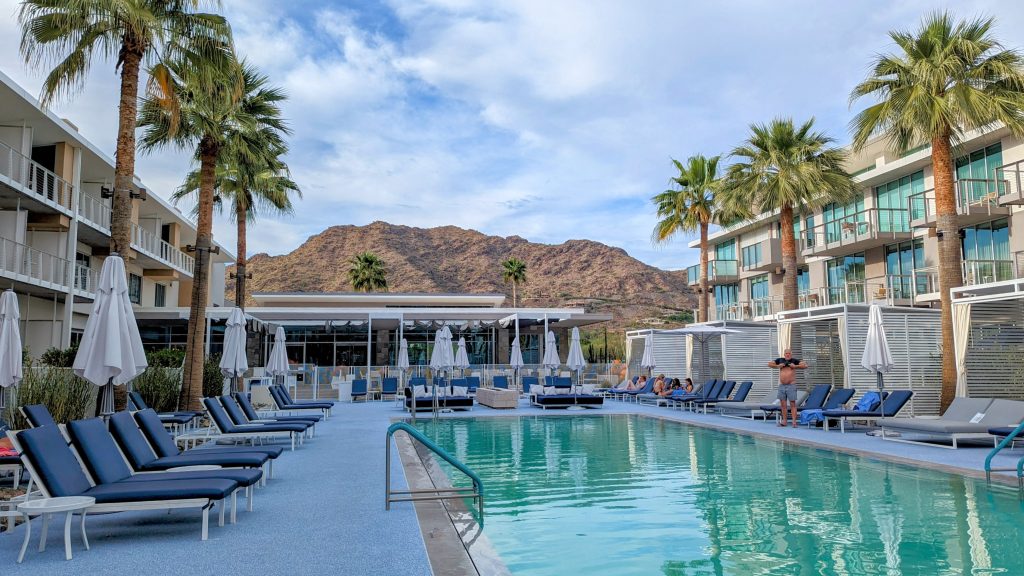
(726, 298)
(159, 295)
(900, 262)
(760, 293)
(977, 174)
(135, 289)
(893, 199)
(986, 252)
(841, 220)
(82, 269)
(752, 255)
(845, 276)
(802, 230)
(726, 250)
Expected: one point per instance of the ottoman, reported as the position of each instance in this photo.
(497, 398)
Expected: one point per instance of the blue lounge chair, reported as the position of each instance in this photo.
(38, 416)
(815, 401)
(163, 443)
(57, 473)
(389, 387)
(473, 383)
(288, 397)
(500, 382)
(359, 389)
(739, 396)
(277, 395)
(253, 433)
(705, 393)
(870, 411)
(105, 464)
(635, 394)
(238, 417)
(250, 412)
(179, 419)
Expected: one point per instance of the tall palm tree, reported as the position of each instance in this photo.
(185, 110)
(68, 33)
(252, 187)
(368, 273)
(946, 78)
(788, 168)
(513, 270)
(693, 204)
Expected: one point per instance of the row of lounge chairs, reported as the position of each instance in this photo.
(964, 419)
(559, 392)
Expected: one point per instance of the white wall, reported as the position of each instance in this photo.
(13, 224)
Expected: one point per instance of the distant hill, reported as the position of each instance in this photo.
(450, 259)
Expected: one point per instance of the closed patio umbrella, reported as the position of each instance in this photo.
(277, 364)
(11, 370)
(233, 361)
(441, 359)
(110, 352)
(647, 362)
(462, 357)
(575, 361)
(403, 359)
(551, 360)
(515, 358)
(877, 358)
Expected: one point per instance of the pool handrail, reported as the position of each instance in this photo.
(1020, 463)
(476, 492)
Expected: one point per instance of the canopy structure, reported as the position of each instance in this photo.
(988, 334)
(111, 350)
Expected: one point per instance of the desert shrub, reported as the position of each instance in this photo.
(65, 395)
(58, 358)
(213, 380)
(159, 387)
(166, 358)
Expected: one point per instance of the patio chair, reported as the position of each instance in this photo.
(389, 387)
(254, 433)
(893, 401)
(318, 402)
(38, 416)
(57, 472)
(964, 419)
(473, 383)
(704, 393)
(528, 382)
(283, 405)
(500, 382)
(239, 419)
(164, 445)
(815, 401)
(252, 414)
(754, 410)
(359, 389)
(105, 464)
(179, 419)
(740, 396)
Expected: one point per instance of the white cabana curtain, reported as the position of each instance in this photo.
(841, 324)
(961, 336)
(725, 362)
(689, 357)
(785, 336)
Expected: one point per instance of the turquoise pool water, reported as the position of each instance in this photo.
(635, 495)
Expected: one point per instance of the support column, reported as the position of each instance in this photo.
(72, 251)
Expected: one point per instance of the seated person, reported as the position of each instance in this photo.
(640, 383)
(659, 385)
(688, 388)
(671, 387)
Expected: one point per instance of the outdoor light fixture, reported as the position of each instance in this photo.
(106, 192)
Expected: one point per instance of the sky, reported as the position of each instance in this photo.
(550, 120)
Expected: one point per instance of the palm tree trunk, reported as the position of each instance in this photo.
(515, 297)
(702, 306)
(192, 383)
(950, 269)
(790, 298)
(124, 158)
(240, 269)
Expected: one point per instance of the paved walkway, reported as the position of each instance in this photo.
(323, 513)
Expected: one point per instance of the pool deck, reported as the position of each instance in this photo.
(323, 512)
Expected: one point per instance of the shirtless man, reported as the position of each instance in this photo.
(787, 366)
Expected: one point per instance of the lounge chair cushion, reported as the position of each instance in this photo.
(182, 489)
(177, 418)
(1004, 413)
(38, 415)
(963, 409)
(98, 450)
(250, 411)
(933, 426)
(56, 465)
(244, 477)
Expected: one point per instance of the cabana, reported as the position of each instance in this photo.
(831, 340)
(988, 332)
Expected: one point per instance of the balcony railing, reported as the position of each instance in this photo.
(151, 244)
(719, 271)
(749, 310)
(86, 279)
(30, 265)
(95, 211)
(860, 230)
(975, 272)
(973, 197)
(43, 183)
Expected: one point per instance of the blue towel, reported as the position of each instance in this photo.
(866, 402)
(811, 416)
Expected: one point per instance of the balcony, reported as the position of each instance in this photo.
(31, 179)
(25, 264)
(719, 272)
(974, 272)
(150, 246)
(763, 256)
(862, 230)
(94, 212)
(977, 201)
(1012, 175)
(892, 290)
(756, 309)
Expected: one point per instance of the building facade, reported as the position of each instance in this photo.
(882, 246)
(55, 227)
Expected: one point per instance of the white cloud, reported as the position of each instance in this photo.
(550, 120)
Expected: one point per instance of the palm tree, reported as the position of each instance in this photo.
(790, 169)
(692, 205)
(183, 108)
(252, 187)
(513, 270)
(68, 33)
(368, 273)
(945, 79)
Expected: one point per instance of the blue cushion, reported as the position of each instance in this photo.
(132, 442)
(500, 382)
(244, 477)
(211, 488)
(196, 458)
(233, 411)
(288, 397)
(161, 442)
(56, 465)
(177, 418)
(38, 415)
(99, 452)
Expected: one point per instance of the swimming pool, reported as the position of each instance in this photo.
(617, 494)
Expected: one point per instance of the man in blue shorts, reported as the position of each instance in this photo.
(787, 366)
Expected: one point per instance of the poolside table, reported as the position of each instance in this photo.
(47, 506)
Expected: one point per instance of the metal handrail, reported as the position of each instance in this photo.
(1020, 463)
(476, 492)
(21, 260)
(156, 247)
(94, 210)
(34, 177)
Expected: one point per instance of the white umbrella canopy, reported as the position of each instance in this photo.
(11, 370)
(515, 355)
(877, 358)
(403, 355)
(462, 357)
(441, 356)
(277, 364)
(551, 352)
(233, 361)
(111, 349)
(575, 361)
(648, 362)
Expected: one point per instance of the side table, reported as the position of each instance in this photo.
(46, 507)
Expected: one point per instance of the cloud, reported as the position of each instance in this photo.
(548, 120)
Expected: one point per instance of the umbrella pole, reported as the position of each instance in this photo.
(881, 386)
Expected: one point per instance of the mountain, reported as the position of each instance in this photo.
(450, 259)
